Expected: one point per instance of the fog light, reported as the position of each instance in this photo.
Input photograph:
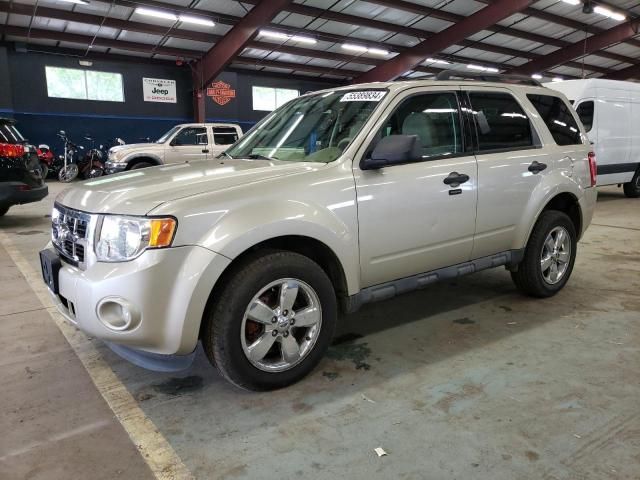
(117, 314)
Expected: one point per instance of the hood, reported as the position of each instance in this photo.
(133, 146)
(137, 192)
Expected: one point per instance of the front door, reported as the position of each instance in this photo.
(410, 220)
(190, 143)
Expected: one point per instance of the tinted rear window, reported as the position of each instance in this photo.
(500, 121)
(557, 116)
(585, 112)
(9, 134)
(225, 135)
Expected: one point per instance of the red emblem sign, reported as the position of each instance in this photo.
(221, 92)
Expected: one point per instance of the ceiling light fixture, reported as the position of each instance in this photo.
(284, 37)
(480, 68)
(302, 39)
(354, 48)
(377, 51)
(156, 13)
(557, 79)
(437, 60)
(536, 76)
(572, 2)
(609, 13)
(77, 2)
(197, 20)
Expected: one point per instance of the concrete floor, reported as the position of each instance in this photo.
(464, 380)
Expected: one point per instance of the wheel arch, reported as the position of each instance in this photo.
(131, 162)
(563, 201)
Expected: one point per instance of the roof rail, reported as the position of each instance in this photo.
(488, 77)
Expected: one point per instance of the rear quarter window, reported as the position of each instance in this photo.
(556, 114)
(585, 112)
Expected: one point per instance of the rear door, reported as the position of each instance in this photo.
(190, 143)
(507, 147)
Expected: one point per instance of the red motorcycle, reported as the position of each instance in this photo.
(46, 158)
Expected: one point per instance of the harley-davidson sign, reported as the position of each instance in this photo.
(221, 92)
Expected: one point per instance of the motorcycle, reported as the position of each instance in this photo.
(92, 164)
(69, 170)
(46, 158)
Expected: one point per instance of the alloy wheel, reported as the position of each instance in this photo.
(556, 255)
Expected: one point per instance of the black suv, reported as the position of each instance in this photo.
(20, 175)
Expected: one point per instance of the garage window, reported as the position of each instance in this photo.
(79, 84)
(267, 99)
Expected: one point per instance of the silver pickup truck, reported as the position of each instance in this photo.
(338, 198)
(186, 142)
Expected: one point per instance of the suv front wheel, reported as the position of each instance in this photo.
(549, 256)
(632, 189)
(272, 321)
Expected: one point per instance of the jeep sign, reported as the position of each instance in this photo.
(159, 90)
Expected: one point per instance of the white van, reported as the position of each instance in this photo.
(610, 112)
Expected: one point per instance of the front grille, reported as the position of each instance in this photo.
(69, 232)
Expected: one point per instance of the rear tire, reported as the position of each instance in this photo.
(549, 256)
(255, 289)
(632, 189)
(141, 165)
(69, 173)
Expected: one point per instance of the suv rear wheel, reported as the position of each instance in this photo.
(549, 256)
(632, 189)
(272, 322)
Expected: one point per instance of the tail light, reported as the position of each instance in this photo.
(11, 151)
(593, 168)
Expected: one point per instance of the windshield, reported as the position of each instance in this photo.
(10, 134)
(315, 128)
(166, 136)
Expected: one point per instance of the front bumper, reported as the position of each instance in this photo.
(17, 193)
(165, 292)
(114, 167)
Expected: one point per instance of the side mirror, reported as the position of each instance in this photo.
(393, 150)
(175, 142)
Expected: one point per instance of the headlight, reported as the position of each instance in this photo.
(120, 238)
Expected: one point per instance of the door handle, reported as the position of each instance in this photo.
(455, 179)
(205, 150)
(536, 167)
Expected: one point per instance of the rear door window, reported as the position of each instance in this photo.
(225, 135)
(585, 112)
(500, 121)
(558, 118)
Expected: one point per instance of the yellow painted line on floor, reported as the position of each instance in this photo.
(154, 448)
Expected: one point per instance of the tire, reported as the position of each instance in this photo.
(69, 173)
(3, 210)
(141, 165)
(632, 189)
(44, 169)
(532, 278)
(228, 333)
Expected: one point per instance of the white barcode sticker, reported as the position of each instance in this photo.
(364, 96)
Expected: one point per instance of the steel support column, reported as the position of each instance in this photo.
(414, 56)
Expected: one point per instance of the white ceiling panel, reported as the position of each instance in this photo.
(431, 24)
(139, 37)
(118, 51)
(49, 24)
(293, 20)
(226, 7)
(625, 49)
(321, 62)
(19, 20)
(99, 8)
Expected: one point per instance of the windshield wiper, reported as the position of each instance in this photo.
(257, 156)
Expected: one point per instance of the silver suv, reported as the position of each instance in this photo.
(338, 198)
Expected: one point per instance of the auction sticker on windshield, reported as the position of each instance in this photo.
(364, 96)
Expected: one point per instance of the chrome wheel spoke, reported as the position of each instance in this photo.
(290, 349)
(288, 295)
(550, 244)
(259, 348)
(555, 255)
(563, 257)
(260, 312)
(307, 317)
(559, 239)
(546, 262)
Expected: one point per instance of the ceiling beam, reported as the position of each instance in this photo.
(565, 21)
(354, 20)
(295, 67)
(625, 73)
(99, 42)
(235, 40)
(413, 56)
(579, 49)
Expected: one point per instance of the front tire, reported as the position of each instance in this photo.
(632, 189)
(271, 322)
(141, 165)
(69, 173)
(549, 256)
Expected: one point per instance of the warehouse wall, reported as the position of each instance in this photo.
(23, 91)
(6, 104)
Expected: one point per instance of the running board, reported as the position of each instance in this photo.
(388, 290)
